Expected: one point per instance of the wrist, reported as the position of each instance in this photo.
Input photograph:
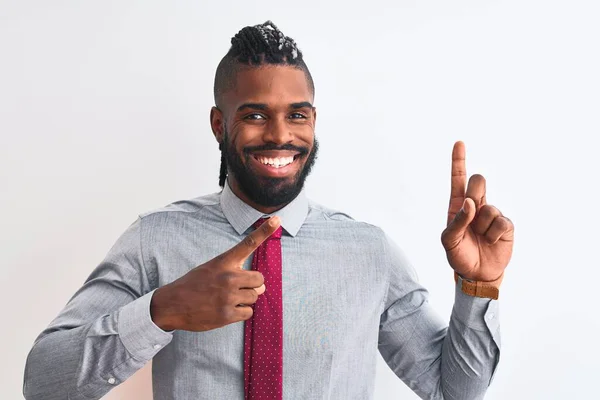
(475, 288)
(159, 310)
(496, 282)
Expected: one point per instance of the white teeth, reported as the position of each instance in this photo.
(276, 162)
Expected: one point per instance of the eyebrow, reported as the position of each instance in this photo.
(254, 106)
(263, 107)
(302, 104)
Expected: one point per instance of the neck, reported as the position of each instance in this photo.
(235, 188)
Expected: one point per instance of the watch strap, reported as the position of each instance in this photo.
(479, 289)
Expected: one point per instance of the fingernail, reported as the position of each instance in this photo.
(273, 221)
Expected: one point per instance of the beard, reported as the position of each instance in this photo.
(263, 190)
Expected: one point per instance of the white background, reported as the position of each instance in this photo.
(104, 115)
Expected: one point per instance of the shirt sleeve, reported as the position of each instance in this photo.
(103, 334)
(436, 360)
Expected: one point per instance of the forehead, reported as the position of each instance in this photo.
(273, 85)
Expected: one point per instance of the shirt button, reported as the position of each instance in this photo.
(112, 381)
(157, 346)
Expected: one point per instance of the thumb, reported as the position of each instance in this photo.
(261, 289)
(455, 231)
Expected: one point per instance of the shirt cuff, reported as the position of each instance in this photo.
(476, 312)
(140, 335)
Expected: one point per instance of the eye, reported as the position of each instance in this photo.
(298, 115)
(254, 117)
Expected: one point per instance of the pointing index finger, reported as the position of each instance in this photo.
(246, 247)
(459, 179)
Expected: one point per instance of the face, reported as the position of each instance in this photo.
(266, 124)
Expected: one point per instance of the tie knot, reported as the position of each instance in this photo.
(275, 235)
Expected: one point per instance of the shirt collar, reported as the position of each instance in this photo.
(241, 215)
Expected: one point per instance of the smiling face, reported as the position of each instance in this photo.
(266, 124)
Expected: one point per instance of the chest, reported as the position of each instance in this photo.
(332, 293)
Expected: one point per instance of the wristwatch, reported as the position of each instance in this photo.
(487, 290)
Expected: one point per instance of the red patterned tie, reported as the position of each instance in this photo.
(263, 333)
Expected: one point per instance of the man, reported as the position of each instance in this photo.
(256, 292)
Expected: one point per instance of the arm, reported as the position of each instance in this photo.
(112, 326)
(435, 360)
(457, 362)
(104, 333)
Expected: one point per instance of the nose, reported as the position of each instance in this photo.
(278, 132)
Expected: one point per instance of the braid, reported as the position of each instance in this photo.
(255, 46)
(264, 43)
(223, 171)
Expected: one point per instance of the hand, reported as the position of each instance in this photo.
(478, 239)
(216, 293)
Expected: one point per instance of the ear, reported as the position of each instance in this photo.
(216, 123)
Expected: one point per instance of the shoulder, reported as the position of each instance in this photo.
(343, 227)
(201, 207)
(342, 224)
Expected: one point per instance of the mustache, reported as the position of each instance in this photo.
(270, 146)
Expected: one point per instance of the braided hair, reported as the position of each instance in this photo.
(254, 46)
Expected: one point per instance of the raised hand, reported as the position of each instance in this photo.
(216, 293)
(478, 239)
